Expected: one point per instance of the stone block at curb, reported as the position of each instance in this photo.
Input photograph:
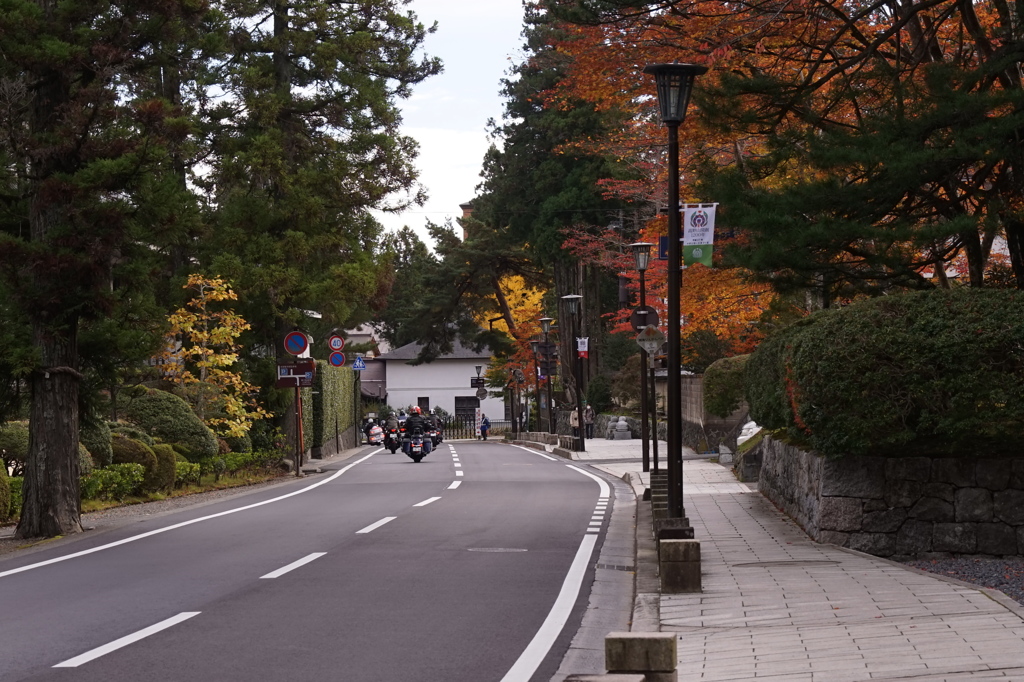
(679, 550)
(679, 566)
(640, 652)
(605, 678)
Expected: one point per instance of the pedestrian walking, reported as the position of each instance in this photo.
(588, 420)
(485, 426)
(574, 422)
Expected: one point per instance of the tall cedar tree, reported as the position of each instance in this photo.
(537, 184)
(76, 142)
(307, 141)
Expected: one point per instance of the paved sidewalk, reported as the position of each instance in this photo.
(778, 606)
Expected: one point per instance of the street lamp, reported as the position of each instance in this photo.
(535, 347)
(675, 82)
(545, 326)
(641, 257)
(573, 303)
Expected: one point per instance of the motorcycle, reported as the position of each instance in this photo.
(435, 436)
(376, 436)
(413, 446)
(392, 440)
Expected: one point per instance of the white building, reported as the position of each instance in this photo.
(445, 382)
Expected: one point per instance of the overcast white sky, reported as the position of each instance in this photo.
(478, 40)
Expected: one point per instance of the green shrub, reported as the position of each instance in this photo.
(132, 431)
(15, 485)
(14, 446)
(599, 393)
(723, 385)
(114, 482)
(166, 466)
(186, 473)
(936, 372)
(95, 436)
(239, 443)
(85, 461)
(130, 451)
(169, 418)
(5, 496)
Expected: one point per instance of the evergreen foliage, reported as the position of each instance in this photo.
(166, 467)
(131, 451)
(94, 434)
(5, 496)
(167, 417)
(14, 446)
(328, 404)
(599, 394)
(932, 373)
(723, 385)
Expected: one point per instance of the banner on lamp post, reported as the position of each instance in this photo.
(583, 347)
(698, 233)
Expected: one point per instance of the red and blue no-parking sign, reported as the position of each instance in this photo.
(336, 359)
(296, 343)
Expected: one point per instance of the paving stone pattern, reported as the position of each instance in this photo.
(778, 606)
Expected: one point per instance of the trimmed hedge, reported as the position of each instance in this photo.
(114, 482)
(723, 385)
(167, 417)
(186, 473)
(131, 431)
(166, 466)
(130, 451)
(16, 497)
(5, 496)
(95, 436)
(930, 373)
(330, 398)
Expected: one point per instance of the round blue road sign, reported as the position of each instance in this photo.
(296, 343)
(336, 359)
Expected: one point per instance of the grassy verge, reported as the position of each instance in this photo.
(206, 484)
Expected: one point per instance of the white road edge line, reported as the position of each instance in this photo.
(538, 648)
(125, 641)
(454, 485)
(378, 524)
(292, 566)
(532, 451)
(175, 526)
(605, 490)
(459, 473)
(424, 503)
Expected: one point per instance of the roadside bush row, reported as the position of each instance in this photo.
(937, 372)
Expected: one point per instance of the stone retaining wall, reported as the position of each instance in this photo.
(900, 507)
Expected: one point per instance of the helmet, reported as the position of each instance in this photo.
(416, 410)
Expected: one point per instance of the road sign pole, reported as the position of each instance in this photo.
(299, 445)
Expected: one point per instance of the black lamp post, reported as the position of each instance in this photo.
(535, 347)
(545, 326)
(641, 258)
(573, 302)
(674, 81)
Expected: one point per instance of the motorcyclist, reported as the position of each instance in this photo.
(391, 422)
(417, 423)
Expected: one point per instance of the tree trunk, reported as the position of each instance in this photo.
(1015, 244)
(52, 501)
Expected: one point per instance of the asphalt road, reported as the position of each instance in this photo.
(467, 566)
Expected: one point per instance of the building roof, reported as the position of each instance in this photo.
(411, 351)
